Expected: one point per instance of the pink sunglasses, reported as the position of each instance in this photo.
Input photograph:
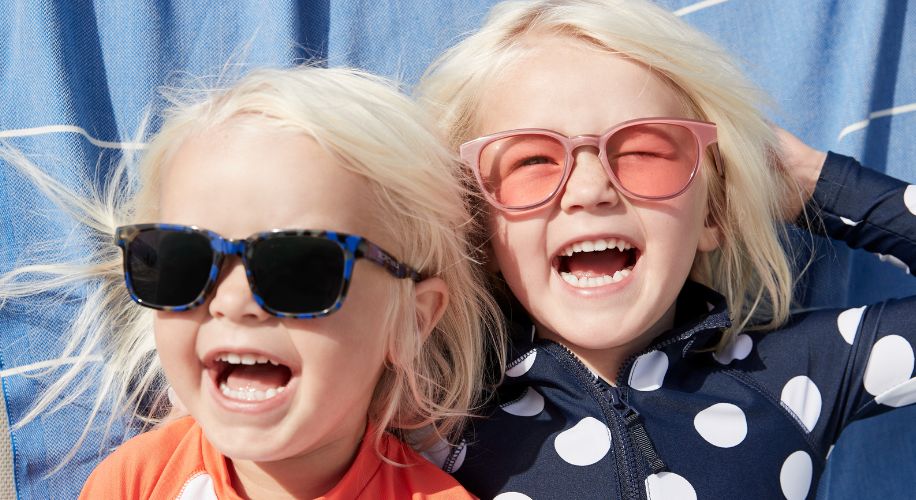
(646, 158)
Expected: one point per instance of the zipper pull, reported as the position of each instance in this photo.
(637, 431)
(623, 408)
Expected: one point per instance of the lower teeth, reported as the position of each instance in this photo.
(590, 282)
(250, 394)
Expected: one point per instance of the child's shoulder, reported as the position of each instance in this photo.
(419, 479)
(164, 461)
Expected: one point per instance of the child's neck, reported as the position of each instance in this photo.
(606, 363)
(304, 476)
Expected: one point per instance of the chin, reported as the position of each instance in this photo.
(596, 335)
(252, 449)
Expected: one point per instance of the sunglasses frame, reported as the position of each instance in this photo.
(704, 133)
(352, 246)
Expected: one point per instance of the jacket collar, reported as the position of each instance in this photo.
(701, 314)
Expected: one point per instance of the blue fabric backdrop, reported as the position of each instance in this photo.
(77, 77)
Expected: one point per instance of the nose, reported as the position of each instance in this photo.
(232, 299)
(588, 186)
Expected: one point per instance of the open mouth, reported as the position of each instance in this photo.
(250, 377)
(594, 263)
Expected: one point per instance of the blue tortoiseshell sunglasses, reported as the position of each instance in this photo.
(292, 273)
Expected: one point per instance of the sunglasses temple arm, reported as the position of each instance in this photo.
(717, 158)
(384, 259)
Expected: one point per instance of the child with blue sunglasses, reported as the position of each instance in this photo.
(299, 242)
(636, 211)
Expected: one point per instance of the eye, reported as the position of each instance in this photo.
(641, 154)
(535, 160)
(649, 142)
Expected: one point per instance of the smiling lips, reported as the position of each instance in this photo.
(594, 263)
(250, 377)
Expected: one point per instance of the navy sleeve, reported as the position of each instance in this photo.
(831, 367)
(867, 210)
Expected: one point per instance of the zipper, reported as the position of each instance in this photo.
(627, 421)
(637, 431)
(627, 468)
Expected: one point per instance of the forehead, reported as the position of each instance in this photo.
(573, 87)
(238, 179)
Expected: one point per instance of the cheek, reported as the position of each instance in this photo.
(175, 335)
(358, 334)
(681, 223)
(517, 244)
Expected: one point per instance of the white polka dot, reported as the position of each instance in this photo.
(848, 323)
(850, 222)
(199, 487)
(795, 476)
(830, 450)
(802, 397)
(901, 395)
(740, 346)
(512, 495)
(648, 371)
(529, 405)
(909, 198)
(722, 424)
(520, 367)
(894, 261)
(585, 443)
(889, 364)
(669, 486)
(437, 453)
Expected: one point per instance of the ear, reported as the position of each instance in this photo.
(709, 236)
(431, 296)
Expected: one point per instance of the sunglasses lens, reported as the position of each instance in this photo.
(168, 268)
(297, 274)
(654, 160)
(522, 170)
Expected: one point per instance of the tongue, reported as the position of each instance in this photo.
(258, 377)
(596, 264)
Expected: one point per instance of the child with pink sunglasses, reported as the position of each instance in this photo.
(635, 206)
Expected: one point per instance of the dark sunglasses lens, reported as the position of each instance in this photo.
(653, 159)
(297, 274)
(522, 170)
(168, 268)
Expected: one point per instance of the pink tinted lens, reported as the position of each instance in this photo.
(522, 170)
(653, 159)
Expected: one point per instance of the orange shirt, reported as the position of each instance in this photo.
(177, 462)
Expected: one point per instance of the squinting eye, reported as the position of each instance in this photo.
(637, 154)
(647, 155)
(535, 160)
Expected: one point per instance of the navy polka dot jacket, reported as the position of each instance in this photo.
(754, 421)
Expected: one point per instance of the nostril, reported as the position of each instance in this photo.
(589, 189)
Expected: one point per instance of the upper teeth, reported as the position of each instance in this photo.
(596, 246)
(244, 359)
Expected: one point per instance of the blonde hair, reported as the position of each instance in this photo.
(751, 267)
(421, 199)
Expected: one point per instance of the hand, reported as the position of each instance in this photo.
(803, 164)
